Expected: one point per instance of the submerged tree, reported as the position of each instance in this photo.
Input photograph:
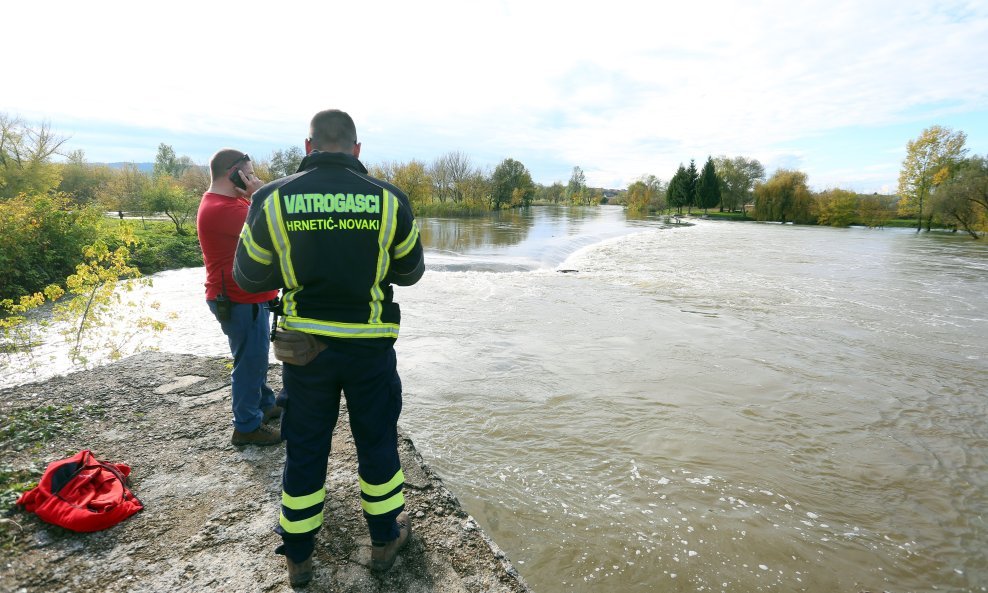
(963, 199)
(837, 207)
(785, 197)
(511, 184)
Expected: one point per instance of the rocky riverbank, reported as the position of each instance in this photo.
(210, 507)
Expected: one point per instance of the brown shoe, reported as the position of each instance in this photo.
(383, 556)
(262, 436)
(272, 413)
(299, 574)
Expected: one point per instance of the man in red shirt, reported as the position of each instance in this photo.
(243, 316)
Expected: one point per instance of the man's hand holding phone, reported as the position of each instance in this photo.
(245, 183)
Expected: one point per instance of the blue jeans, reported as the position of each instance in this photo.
(247, 330)
(372, 388)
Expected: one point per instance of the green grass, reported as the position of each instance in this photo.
(448, 209)
(724, 215)
(159, 247)
(891, 223)
(29, 429)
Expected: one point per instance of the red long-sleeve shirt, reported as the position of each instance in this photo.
(219, 222)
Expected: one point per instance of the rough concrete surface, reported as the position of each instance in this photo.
(210, 507)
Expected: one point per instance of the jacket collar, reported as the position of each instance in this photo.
(331, 159)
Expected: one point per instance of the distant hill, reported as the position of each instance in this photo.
(142, 167)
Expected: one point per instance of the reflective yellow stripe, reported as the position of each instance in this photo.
(389, 220)
(297, 503)
(405, 247)
(279, 238)
(303, 526)
(283, 246)
(255, 251)
(385, 506)
(338, 329)
(382, 489)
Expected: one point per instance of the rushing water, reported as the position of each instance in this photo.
(716, 407)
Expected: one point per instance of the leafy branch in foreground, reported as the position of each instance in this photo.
(97, 305)
(88, 311)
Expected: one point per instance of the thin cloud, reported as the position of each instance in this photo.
(621, 88)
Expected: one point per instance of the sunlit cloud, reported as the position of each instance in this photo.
(621, 89)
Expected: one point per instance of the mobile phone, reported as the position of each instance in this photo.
(237, 181)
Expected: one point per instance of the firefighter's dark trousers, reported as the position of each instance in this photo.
(372, 389)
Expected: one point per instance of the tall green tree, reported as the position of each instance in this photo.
(928, 163)
(511, 184)
(677, 193)
(785, 197)
(708, 187)
(166, 163)
(576, 189)
(692, 182)
(285, 162)
(738, 176)
(166, 195)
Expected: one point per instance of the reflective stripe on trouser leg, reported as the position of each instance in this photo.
(373, 396)
(302, 514)
(380, 501)
(311, 412)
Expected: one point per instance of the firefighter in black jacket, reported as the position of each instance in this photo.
(335, 239)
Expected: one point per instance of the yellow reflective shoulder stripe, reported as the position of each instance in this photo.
(405, 247)
(283, 247)
(389, 220)
(382, 489)
(384, 506)
(298, 503)
(302, 526)
(255, 251)
(337, 329)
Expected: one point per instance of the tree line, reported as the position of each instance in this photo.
(48, 209)
(939, 185)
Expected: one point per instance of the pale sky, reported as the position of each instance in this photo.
(620, 88)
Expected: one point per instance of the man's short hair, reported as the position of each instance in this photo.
(332, 130)
(221, 162)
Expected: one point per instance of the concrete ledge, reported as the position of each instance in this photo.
(210, 507)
